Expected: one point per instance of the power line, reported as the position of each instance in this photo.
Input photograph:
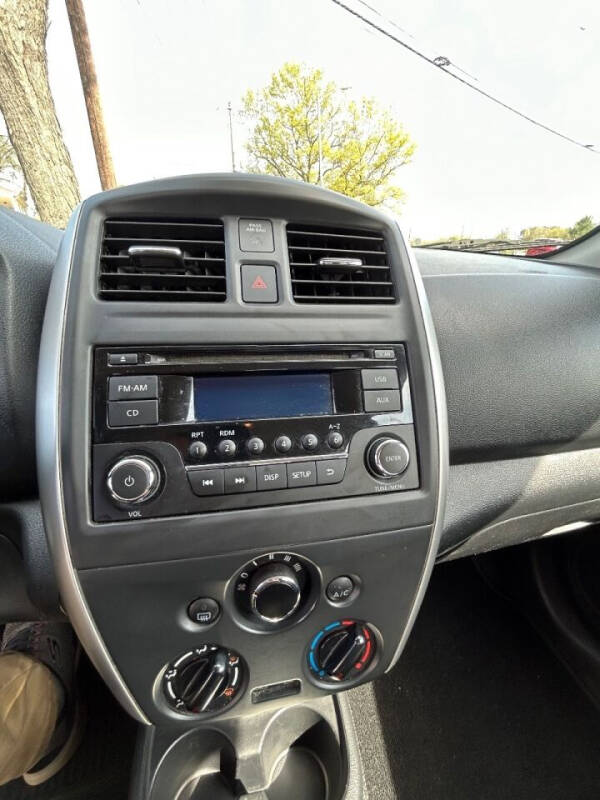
(441, 62)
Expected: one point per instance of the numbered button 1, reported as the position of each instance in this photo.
(227, 448)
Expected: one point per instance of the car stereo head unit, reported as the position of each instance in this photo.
(191, 430)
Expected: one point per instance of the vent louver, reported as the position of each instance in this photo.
(338, 265)
(163, 260)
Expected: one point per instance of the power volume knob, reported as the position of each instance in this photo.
(275, 593)
(133, 480)
(388, 458)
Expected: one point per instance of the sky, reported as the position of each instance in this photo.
(167, 70)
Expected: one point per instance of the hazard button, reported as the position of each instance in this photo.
(259, 283)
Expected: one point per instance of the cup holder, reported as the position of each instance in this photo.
(296, 755)
(199, 764)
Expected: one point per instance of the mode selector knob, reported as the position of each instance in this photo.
(388, 458)
(133, 480)
(275, 592)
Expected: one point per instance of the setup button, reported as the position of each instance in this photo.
(302, 473)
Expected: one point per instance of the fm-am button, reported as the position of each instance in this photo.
(133, 388)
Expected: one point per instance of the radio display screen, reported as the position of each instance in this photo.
(232, 397)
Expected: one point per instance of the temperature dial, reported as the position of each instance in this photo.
(206, 679)
(341, 651)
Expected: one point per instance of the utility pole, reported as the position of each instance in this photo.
(91, 93)
(231, 137)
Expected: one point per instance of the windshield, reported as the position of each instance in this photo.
(478, 126)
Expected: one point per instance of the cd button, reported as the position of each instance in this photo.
(303, 473)
(126, 413)
(240, 479)
(206, 481)
(227, 448)
(271, 476)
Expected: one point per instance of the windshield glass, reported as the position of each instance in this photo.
(477, 125)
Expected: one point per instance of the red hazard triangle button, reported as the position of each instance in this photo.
(259, 283)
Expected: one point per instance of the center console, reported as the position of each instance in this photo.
(242, 457)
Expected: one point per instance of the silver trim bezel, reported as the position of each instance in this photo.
(50, 480)
(443, 440)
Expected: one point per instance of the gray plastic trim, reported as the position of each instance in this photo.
(48, 437)
(441, 415)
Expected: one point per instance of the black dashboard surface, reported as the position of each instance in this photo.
(519, 342)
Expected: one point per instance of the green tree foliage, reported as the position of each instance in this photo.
(544, 232)
(362, 145)
(581, 227)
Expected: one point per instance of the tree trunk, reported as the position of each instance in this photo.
(91, 93)
(28, 109)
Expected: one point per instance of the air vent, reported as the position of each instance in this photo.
(163, 260)
(335, 265)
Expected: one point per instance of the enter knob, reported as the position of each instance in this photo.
(388, 458)
(274, 592)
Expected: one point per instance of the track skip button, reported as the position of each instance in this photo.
(240, 479)
(206, 482)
